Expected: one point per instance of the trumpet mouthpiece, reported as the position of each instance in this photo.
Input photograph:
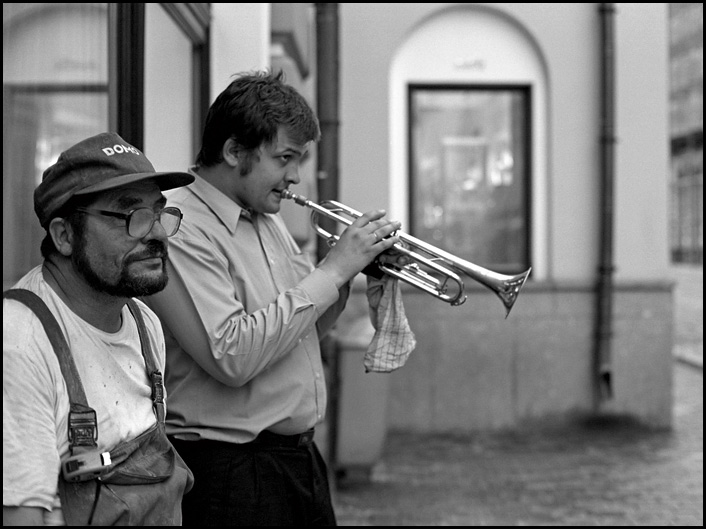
(286, 193)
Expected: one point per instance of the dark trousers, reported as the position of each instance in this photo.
(255, 484)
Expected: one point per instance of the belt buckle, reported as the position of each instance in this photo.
(306, 438)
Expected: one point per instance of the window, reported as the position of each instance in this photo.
(469, 172)
(686, 53)
(53, 96)
(687, 208)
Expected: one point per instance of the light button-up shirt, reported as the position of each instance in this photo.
(240, 314)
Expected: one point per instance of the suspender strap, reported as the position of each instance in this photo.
(152, 371)
(83, 425)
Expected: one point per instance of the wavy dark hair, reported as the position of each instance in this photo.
(250, 110)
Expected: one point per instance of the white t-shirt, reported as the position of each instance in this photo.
(36, 403)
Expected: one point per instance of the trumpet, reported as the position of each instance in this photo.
(426, 267)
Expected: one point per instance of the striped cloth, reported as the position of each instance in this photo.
(393, 340)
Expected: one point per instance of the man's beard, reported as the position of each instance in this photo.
(127, 286)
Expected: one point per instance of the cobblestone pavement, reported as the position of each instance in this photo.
(604, 472)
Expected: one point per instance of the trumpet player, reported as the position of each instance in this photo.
(244, 311)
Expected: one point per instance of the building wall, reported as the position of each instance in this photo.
(642, 153)
(473, 369)
(240, 41)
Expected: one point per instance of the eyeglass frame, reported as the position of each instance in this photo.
(127, 217)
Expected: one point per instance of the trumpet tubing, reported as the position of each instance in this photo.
(428, 268)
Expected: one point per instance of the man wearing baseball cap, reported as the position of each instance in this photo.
(83, 433)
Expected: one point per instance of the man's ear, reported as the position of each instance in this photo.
(62, 235)
(231, 150)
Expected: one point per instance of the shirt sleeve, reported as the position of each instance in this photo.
(327, 320)
(31, 459)
(200, 306)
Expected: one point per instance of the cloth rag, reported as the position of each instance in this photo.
(393, 340)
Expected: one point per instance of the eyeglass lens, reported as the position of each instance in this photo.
(142, 220)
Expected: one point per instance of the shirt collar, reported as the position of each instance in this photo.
(227, 210)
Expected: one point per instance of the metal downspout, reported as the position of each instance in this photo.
(604, 305)
(327, 96)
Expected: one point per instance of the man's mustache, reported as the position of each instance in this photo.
(155, 249)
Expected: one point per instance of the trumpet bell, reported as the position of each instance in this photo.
(441, 274)
(508, 288)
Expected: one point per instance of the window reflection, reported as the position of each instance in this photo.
(468, 172)
(55, 93)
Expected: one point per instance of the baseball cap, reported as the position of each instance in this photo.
(101, 162)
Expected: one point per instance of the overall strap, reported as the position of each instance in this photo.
(152, 371)
(83, 425)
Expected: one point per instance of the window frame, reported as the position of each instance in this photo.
(126, 78)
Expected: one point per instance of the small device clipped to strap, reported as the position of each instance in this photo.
(85, 466)
(86, 462)
(158, 395)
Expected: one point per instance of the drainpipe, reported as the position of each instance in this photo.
(327, 94)
(604, 305)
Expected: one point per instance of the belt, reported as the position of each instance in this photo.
(267, 438)
(264, 440)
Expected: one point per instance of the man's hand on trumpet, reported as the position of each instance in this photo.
(360, 243)
(391, 257)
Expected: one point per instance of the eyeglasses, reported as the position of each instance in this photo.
(139, 221)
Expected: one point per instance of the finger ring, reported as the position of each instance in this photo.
(376, 236)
